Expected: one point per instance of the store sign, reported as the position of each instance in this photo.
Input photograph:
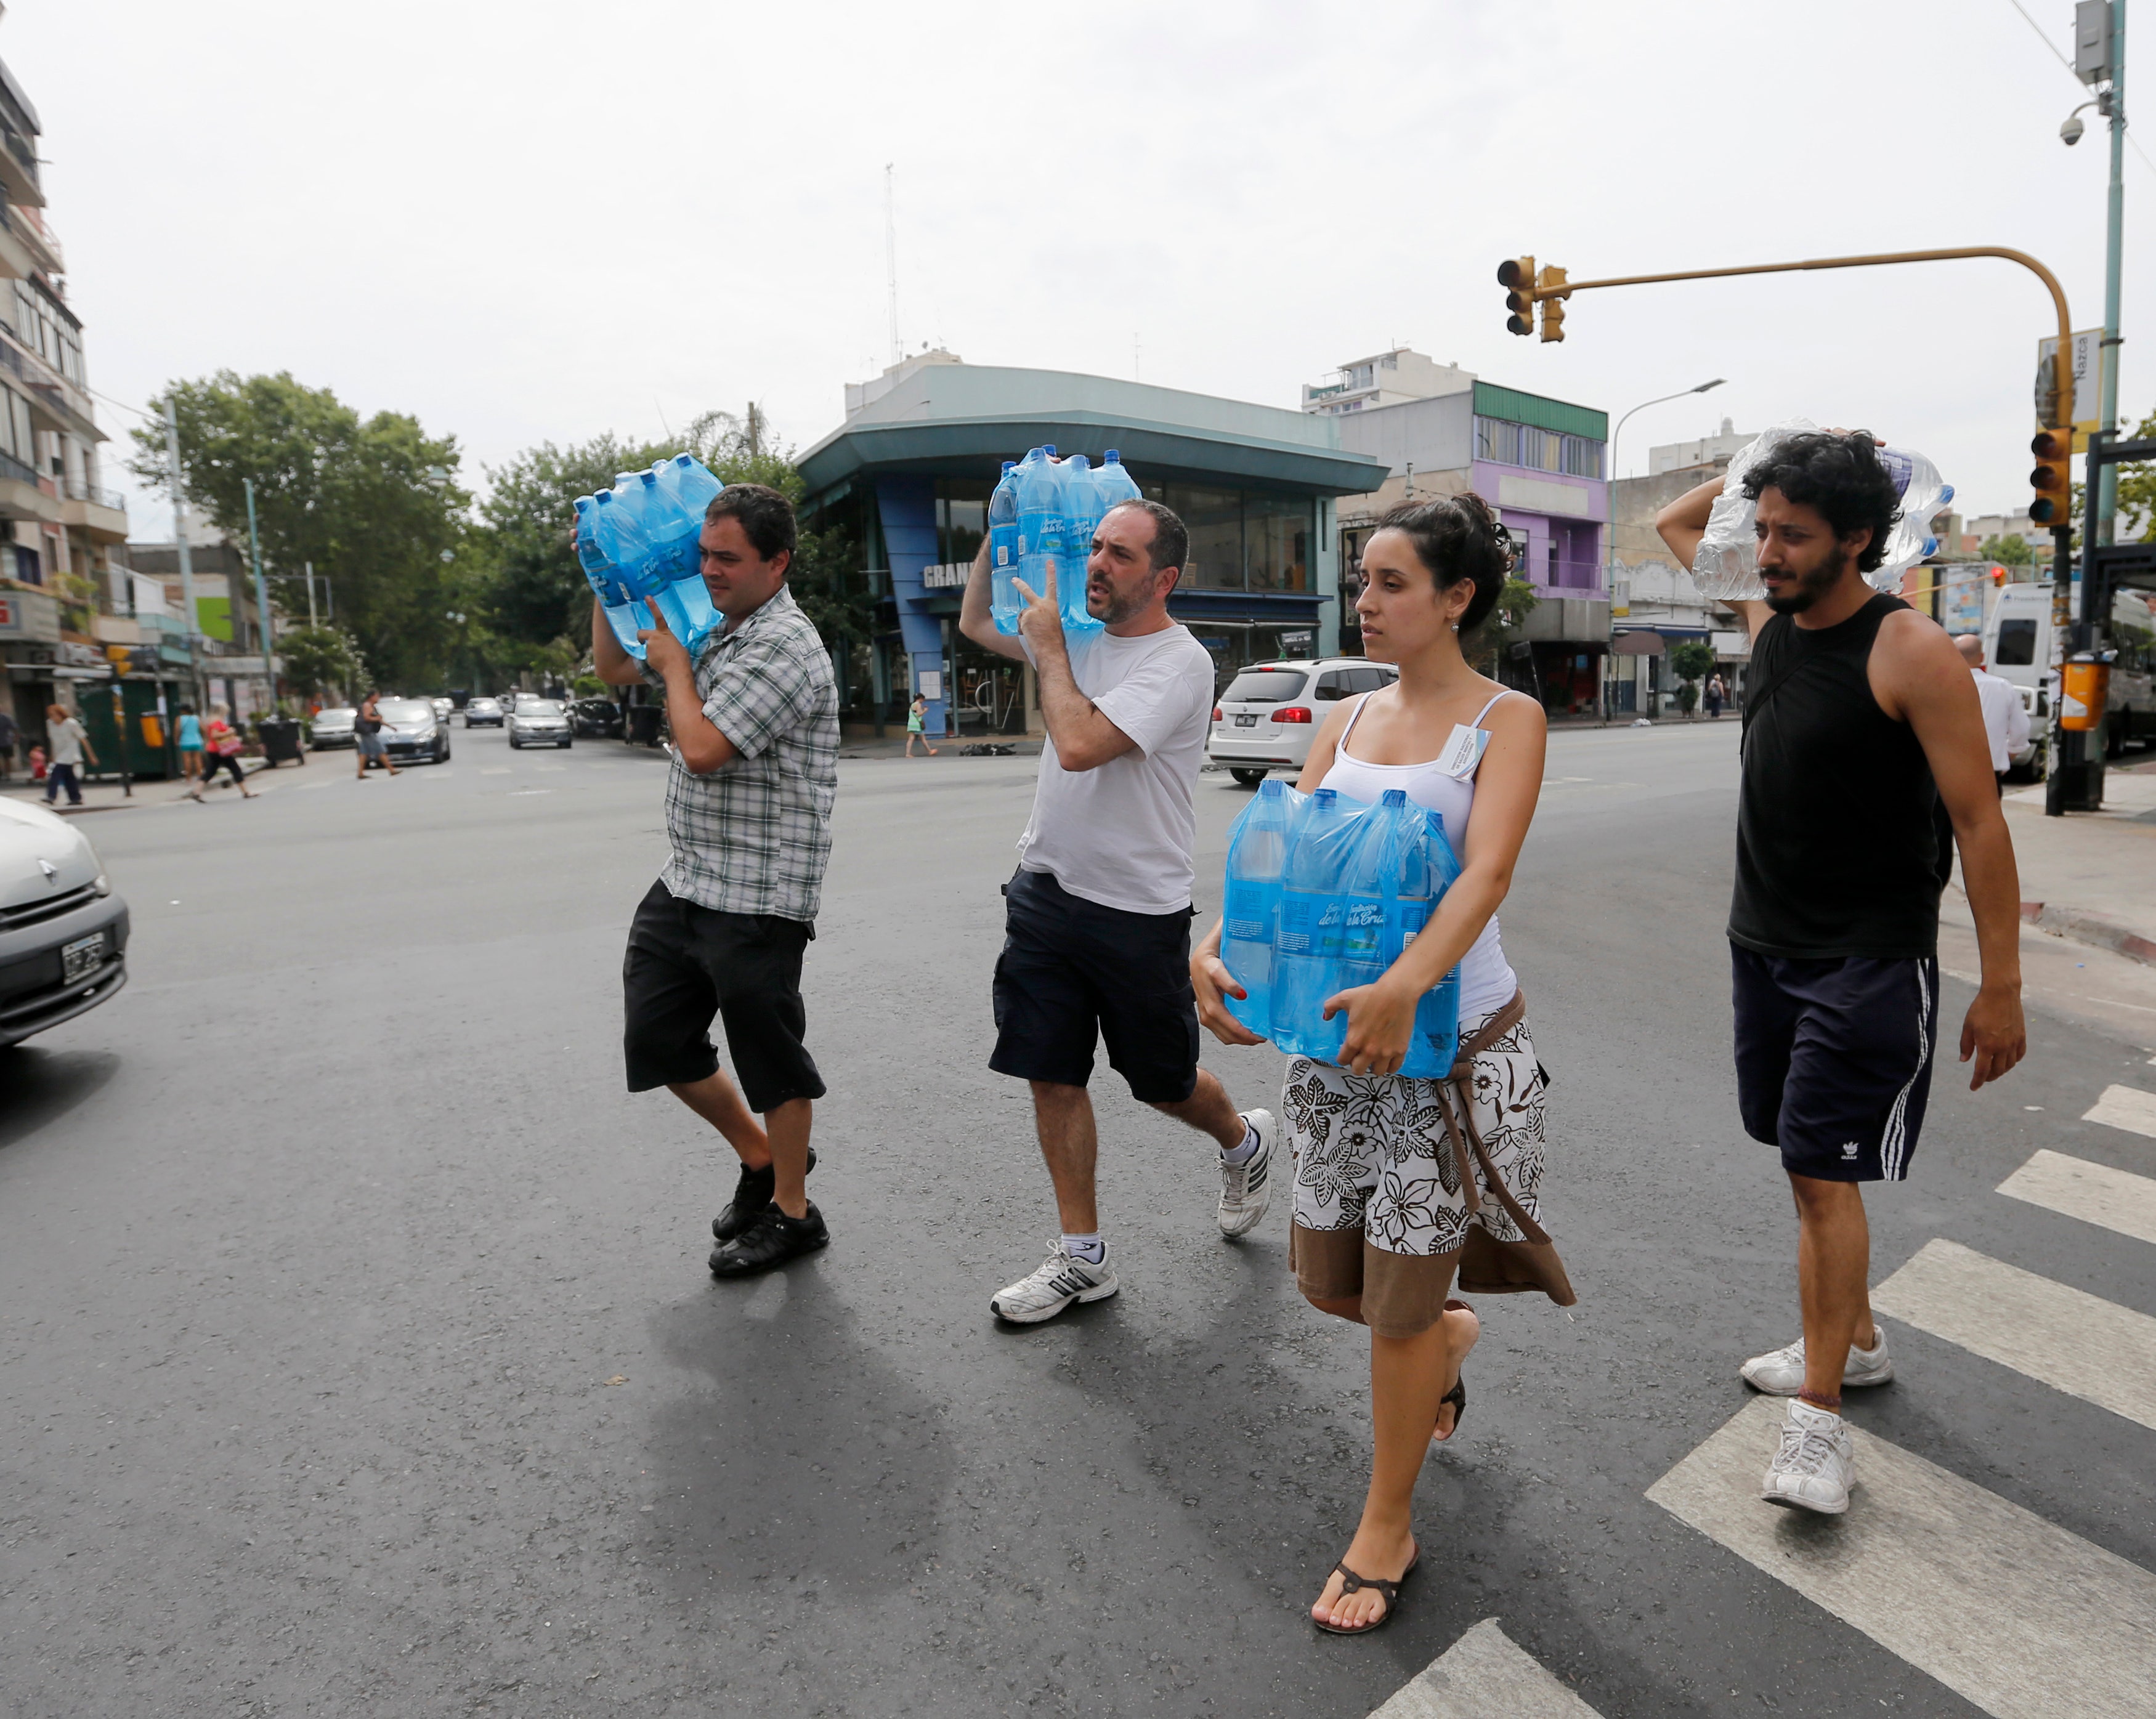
(1291, 642)
(931, 683)
(951, 576)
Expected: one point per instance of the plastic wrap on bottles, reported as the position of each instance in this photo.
(1250, 908)
(1727, 568)
(1003, 600)
(637, 543)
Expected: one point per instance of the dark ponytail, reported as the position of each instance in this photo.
(1457, 537)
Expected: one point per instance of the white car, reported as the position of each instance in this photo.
(538, 721)
(63, 930)
(1270, 711)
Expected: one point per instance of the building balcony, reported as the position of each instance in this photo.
(23, 228)
(101, 513)
(24, 495)
(18, 165)
(55, 402)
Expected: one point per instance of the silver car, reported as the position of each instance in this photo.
(332, 728)
(1271, 711)
(482, 712)
(63, 930)
(538, 721)
(410, 731)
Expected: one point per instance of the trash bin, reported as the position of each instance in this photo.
(644, 724)
(281, 741)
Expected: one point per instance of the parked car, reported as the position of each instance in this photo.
(595, 719)
(1270, 711)
(483, 713)
(443, 706)
(332, 728)
(538, 721)
(412, 732)
(63, 930)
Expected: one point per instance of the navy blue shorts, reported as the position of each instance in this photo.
(1834, 1060)
(1074, 973)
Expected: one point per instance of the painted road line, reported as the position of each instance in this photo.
(2077, 1343)
(2126, 1107)
(2095, 1194)
(1483, 1676)
(2010, 1612)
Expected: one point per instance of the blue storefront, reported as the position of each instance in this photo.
(907, 479)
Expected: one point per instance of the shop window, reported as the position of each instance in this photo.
(1277, 537)
(1214, 519)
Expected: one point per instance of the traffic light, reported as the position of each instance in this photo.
(1551, 280)
(2052, 479)
(1516, 275)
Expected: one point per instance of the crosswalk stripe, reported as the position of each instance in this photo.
(2126, 1107)
(2077, 1343)
(2095, 1194)
(2010, 1612)
(1484, 1675)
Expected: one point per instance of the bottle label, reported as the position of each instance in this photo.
(1247, 913)
(1308, 925)
(1363, 927)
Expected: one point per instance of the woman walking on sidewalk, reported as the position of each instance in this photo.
(917, 724)
(1400, 1181)
(221, 745)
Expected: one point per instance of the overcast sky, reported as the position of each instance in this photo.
(539, 220)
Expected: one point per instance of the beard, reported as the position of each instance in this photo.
(1811, 586)
(1112, 607)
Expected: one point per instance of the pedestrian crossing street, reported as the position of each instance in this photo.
(2015, 1614)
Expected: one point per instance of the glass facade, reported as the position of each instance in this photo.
(1504, 443)
(1243, 540)
(962, 518)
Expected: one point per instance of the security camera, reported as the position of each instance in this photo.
(2069, 133)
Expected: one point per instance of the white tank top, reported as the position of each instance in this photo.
(1486, 980)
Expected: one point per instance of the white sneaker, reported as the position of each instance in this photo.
(1815, 1466)
(1054, 1285)
(1245, 1190)
(1780, 1372)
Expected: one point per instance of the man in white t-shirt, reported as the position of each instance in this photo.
(1097, 917)
(2005, 717)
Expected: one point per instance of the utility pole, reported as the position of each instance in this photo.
(180, 536)
(2115, 221)
(261, 596)
(312, 622)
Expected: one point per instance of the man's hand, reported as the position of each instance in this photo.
(1994, 1034)
(1210, 979)
(666, 653)
(1041, 619)
(1380, 1026)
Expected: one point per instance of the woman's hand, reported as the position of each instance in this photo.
(1210, 979)
(1380, 1025)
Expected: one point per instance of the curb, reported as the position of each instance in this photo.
(2087, 928)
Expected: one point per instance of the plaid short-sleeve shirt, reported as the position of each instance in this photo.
(755, 834)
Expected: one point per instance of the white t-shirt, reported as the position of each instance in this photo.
(2005, 719)
(67, 738)
(1121, 835)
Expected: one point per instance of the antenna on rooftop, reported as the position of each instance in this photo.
(890, 258)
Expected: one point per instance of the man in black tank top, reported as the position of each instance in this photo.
(1860, 721)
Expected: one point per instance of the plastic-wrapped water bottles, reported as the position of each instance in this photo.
(637, 543)
(1427, 868)
(1257, 858)
(1039, 492)
(1306, 949)
(1081, 518)
(1726, 568)
(1004, 603)
(1113, 484)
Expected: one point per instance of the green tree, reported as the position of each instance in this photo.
(2008, 551)
(2136, 491)
(1692, 662)
(316, 660)
(374, 503)
(1514, 602)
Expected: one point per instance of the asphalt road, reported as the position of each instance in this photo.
(358, 1356)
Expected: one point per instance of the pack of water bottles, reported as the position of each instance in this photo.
(1043, 516)
(1323, 894)
(637, 543)
(1727, 568)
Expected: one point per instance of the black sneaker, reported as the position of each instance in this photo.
(752, 1194)
(773, 1239)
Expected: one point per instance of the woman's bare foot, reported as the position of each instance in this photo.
(1462, 1332)
(1377, 1555)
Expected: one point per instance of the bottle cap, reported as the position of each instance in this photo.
(1113, 455)
(604, 496)
(648, 477)
(1327, 794)
(1395, 797)
(1010, 465)
(1048, 448)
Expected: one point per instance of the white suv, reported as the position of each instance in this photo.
(1267, 717)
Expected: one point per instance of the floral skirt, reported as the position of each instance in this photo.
(1371, 1153)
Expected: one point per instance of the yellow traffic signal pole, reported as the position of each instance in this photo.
(1526, 286)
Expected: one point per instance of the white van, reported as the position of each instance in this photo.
(2017, 647)
(1271, 711)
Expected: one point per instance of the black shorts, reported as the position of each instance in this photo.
(686, 963)
(1834, 1060)
(1072, 970)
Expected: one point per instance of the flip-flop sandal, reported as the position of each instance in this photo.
(1350, 1582)
(1457, 1396)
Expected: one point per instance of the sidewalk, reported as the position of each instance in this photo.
(893, 746)
(2092, 877)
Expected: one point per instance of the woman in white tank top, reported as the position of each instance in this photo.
(1390, 1196)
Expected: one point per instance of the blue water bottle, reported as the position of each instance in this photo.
(1257, 860)
(1306, 951)
(1113, 484)
(1039, 496)
(685, 488)
(1004, 603)
(1082, 512)
(1427, 868)
(624, 613)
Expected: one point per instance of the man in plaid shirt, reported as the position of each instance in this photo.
(755, 718)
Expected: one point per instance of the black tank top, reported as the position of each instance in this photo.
(1837, 839)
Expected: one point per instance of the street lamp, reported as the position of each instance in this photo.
(1609, 568)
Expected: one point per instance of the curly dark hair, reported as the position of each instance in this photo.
(1457, 537)
(1843, 477)
(766, 516)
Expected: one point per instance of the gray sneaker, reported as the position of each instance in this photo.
(1054, 1285)
(1780, 1372)
(1246, 1188)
